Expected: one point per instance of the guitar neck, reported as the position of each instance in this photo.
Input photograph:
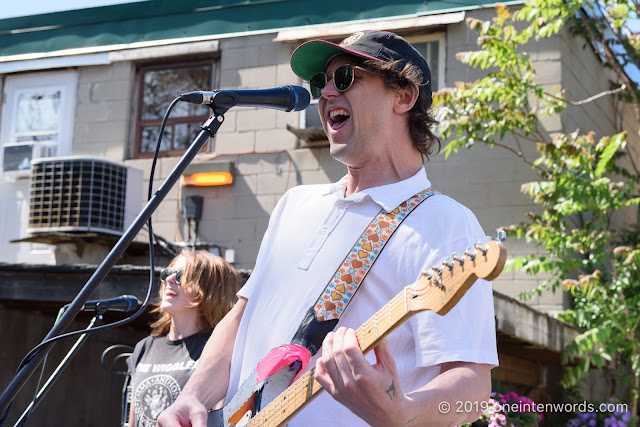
(302, 391)
(438, 289)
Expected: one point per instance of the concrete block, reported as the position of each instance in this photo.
(166, 229)
(107, 131)
(236, 230)
(275, 139)
(122, 70)
(304, 159)
(229, 78)
(245, 184)
(83, 93)
(235, 142)
(286, 76)
(230, 123)
(252, 206)
(255, 119)
(220, 208)
(242, 57)
(315, 177)
(119, 110)
(257, 77)
(257, 163)
(550, 73)
(144, 164)
(506, 193)
(97, 73)
(283, 119)
(114, 90)
(274, 184)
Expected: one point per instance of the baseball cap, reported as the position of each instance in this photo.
(311, 58)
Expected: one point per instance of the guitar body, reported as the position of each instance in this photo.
(275, 400)
(252, 397)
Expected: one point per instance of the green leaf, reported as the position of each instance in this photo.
(614, 145)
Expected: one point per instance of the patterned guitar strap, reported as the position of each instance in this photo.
(270, 377)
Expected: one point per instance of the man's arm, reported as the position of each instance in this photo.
(209, 382)
(373, 392)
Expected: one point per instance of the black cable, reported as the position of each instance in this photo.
(128, 348)
(141, 310)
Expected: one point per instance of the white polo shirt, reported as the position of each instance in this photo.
(310, 232)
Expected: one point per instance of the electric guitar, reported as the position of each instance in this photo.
(438, 289)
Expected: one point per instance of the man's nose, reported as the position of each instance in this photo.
(329, 90)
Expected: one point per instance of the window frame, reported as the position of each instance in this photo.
(14, 84)
(139, 123)
(440, 37)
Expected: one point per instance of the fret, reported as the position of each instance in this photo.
(375, 316)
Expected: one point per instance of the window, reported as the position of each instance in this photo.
(158, 86)
(37, 120)
(432, 48)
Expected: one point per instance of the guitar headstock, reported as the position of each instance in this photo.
(441, 287)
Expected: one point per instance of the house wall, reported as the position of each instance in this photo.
(269, 159)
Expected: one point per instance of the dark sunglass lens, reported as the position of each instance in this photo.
(165, 273)
(317, 83)
(316, 92)
(179, 277)
(343, 77)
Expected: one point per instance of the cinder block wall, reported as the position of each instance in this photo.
(104, 108)
(269, 161)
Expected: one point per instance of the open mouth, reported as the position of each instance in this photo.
(170, 293)
(338, 117)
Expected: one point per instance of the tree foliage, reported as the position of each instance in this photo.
(582, 180)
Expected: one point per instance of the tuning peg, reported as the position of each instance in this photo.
(427, 274)
(437, 281)
(501, 235)
(438, 270)
(471, 254)
(460, 259)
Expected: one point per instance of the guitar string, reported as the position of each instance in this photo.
(393, 305)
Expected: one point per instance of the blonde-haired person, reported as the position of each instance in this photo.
(197, 290)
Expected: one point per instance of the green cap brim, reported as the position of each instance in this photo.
(311, 58)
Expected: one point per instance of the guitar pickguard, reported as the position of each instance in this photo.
(251, 398)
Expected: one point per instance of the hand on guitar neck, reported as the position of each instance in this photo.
(372, 392)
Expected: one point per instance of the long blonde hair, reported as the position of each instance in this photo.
(213, 282)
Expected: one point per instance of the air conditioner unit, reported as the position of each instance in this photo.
(74, 194)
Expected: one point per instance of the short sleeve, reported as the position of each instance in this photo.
(467, 332)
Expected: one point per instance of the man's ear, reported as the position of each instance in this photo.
(406, 99)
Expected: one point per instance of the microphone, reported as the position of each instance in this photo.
(122, 303)
(285, 98)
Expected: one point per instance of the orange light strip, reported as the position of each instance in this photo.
(206, 179)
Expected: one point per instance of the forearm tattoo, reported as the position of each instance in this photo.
(391, 391)
(410, 422)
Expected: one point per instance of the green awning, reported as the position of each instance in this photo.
(156, 20)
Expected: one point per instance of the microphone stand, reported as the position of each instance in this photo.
(209, 129)
(97, 320)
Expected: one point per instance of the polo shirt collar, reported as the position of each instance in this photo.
(387, 196)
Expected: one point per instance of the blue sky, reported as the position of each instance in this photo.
(13, 8)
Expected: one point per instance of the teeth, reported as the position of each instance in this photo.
(340, 112)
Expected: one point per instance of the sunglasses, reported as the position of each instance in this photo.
(164, 275)
(343, 78)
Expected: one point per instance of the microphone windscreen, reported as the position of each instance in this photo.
(302, 98)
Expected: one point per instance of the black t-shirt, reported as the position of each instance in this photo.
(160, 369)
